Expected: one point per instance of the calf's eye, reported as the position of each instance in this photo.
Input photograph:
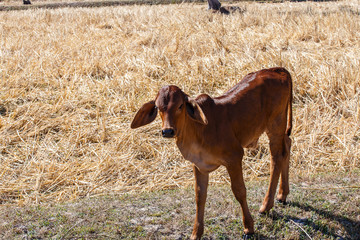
(181, 106)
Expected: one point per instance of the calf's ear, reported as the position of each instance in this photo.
(146, 114)
(195, 112)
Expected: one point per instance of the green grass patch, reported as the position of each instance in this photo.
(319, 212)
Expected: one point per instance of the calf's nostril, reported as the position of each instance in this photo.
(168, 132)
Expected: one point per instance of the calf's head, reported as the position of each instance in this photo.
(174, 107)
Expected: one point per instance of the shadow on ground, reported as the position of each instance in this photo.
(351, 227)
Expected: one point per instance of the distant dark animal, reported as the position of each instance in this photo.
(211, 132)
(215, 6)
(26, 2)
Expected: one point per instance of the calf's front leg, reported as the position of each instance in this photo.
(201, 184)
(238, 187)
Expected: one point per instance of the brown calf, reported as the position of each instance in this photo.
(211, 132)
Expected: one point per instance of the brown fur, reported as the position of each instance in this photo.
(211, 132)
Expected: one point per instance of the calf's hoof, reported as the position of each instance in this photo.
(249, 236)
(281, 198)
(195, 236)
(283, 202)
(266, 208)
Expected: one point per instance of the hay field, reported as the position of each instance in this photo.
(71, 81)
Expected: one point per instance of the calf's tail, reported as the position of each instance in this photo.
(289, 117)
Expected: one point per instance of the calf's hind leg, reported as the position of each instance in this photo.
(280, 153)
(284, 174)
